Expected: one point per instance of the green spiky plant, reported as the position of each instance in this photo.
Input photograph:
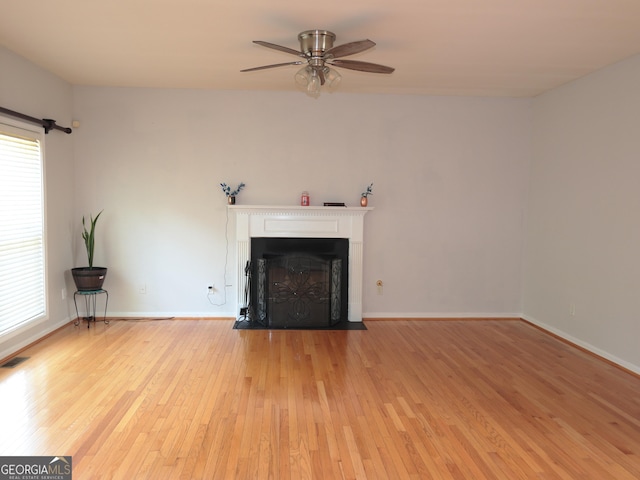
(89, 237)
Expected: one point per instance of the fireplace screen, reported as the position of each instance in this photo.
(299, 291)
(299, 282)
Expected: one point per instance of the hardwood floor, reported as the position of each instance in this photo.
(192, 399)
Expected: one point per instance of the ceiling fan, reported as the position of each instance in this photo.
(319, 54)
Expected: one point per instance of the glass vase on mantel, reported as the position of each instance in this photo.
(231, 200)
(364, 201)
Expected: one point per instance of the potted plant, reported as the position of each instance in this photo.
(89, 278)
(231, 194)
(364, 201)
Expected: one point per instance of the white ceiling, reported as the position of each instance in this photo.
(442, 47)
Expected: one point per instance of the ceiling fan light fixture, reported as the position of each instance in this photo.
(332, 79)
(302, 77)
(313, 88)
(308, 79)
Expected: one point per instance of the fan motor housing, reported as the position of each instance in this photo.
(315, 42)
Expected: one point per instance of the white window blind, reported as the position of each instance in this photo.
(22, 260)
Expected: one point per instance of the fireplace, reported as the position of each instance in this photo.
(298, 224)
(299, 282)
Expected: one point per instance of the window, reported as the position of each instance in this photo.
(22, 249)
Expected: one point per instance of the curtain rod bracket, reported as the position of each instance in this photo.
(47, 124)
(50, 124)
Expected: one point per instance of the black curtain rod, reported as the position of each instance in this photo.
(46, 123)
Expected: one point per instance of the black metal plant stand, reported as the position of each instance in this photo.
(90, 305)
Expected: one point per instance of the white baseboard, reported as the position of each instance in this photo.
(587, 346)
(431, 315)
(10, 348)
(168, 315)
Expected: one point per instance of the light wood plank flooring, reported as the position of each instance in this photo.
(405, 399)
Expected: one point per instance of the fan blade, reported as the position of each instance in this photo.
(349, 48)
(271, 66)
(279, 47)
(362, 66)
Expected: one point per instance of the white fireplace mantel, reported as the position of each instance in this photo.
(303, 222)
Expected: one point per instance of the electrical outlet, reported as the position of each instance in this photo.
(572, 309)
(64, 293)
(142, 289)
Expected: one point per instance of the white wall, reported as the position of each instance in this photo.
(28, 89)
(584, 233)
(450, 178)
